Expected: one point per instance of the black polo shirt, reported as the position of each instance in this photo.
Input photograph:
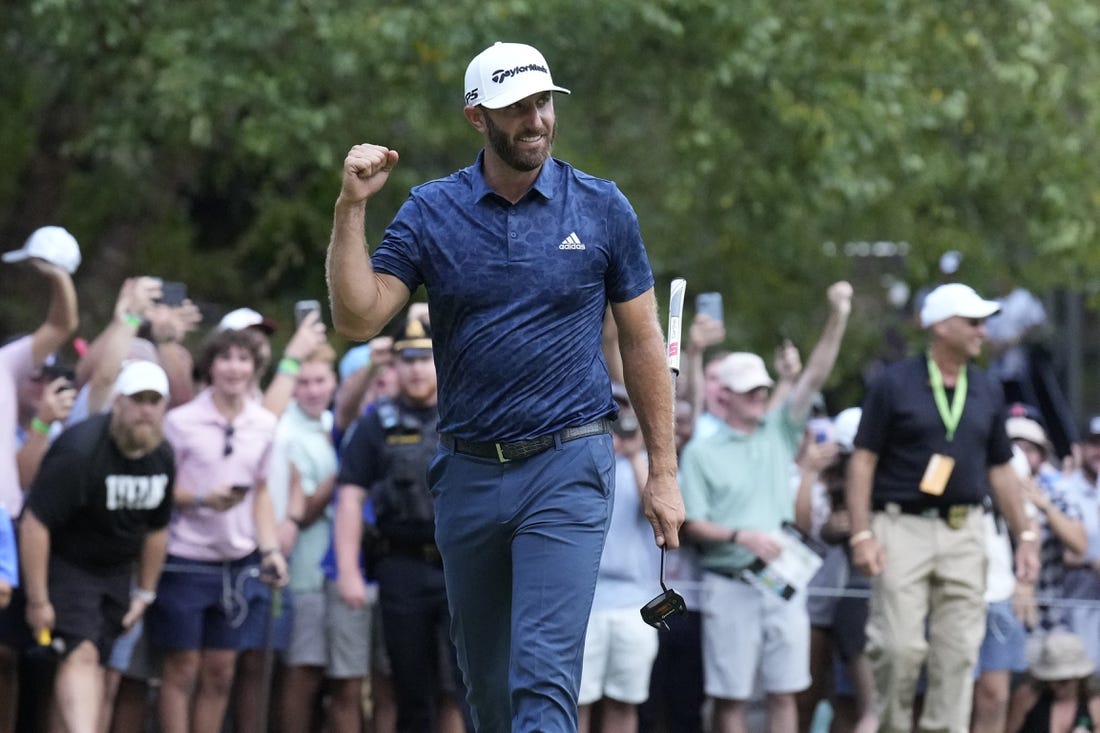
(901, 424)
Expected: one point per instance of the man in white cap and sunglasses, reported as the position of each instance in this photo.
(931, 445)
(520, 254)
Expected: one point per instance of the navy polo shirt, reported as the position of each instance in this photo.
(517, 295)
(900, 423)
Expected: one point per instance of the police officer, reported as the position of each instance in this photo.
(386, 458)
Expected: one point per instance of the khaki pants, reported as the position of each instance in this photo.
(935, 574)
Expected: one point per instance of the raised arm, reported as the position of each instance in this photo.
(362, 301)
(704, 332)
(825, 352)
(62, 318)
(100, 366)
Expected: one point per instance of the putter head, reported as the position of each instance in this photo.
(660, 608)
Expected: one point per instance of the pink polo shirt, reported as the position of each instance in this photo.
(16, 363)
(197, 432)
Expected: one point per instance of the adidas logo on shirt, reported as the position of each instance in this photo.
(571, 242)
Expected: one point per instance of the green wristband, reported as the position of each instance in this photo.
(131, 320)
(289, 365)
(40, 426)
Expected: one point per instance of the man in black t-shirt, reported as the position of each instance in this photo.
(931, 445)
(99, 505)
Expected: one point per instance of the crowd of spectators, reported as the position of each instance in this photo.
(262, 618)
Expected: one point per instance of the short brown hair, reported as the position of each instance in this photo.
(219, 343)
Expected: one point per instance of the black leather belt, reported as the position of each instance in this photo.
(523, 449)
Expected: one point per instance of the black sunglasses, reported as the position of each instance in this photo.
(228, 450)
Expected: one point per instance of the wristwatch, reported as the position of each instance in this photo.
(148, 596)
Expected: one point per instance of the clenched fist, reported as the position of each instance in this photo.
(366, 170)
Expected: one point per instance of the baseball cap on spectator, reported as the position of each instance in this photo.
(242, 318)
(1092, 428)
(53, 244)
(955, 299)
(353, 360)
(743, 372)
(1061, 655)
(414, 341)
(141, 376)
(1025, 423)
(845, 426)
(505, 73)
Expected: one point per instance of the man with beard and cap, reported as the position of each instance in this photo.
(93, 536)
(520, 254)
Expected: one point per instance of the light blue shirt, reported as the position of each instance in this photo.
(630, 565)
(304, 442)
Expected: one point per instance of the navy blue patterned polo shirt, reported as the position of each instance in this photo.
(517, 295)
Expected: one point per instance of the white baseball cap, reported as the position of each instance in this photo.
(743, 372)
(845, 427)
(505, 73)
(242, 318)
(141, 376)
(955, 299)
(53, 244)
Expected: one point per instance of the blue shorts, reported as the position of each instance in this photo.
(1005, 638)
(214, 605)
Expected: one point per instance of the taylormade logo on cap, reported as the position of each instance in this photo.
(505, 73)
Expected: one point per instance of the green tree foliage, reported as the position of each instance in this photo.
(757, 139)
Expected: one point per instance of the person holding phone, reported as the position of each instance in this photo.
(737, 494)
(50, 256)
(218, 536)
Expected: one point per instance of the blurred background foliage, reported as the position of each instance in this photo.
(769, 146)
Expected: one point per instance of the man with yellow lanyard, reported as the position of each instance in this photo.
(931, 446)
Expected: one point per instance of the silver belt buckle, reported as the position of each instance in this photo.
(500, 454)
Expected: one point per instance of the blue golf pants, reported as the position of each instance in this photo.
(521, 545)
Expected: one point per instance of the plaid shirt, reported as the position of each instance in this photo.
(1052, 570)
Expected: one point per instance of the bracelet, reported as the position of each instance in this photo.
(44, 602)
(131, 320)
(146, 596)
(289, 365)
(40, 426)
(1028, 535)
(269, 552)
(861, 536)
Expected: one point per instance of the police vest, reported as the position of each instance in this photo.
(403, 506)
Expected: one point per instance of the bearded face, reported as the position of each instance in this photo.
(137, 422)
(523, 138)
